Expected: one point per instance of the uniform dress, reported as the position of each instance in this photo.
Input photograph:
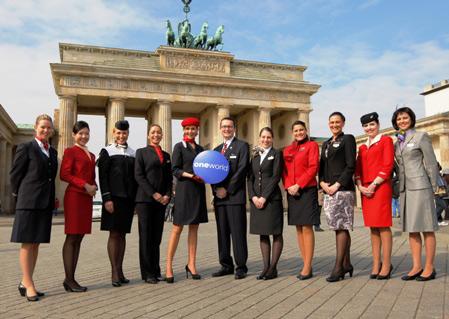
(33, 184)
(418, 171)
(376, 160)
(190, 196)
(117, 184)
(301, 161)
(337, 164)
(263, 181)
(77, 169)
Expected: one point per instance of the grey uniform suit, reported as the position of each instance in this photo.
(418, 171)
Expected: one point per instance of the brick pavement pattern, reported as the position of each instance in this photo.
(224, 297)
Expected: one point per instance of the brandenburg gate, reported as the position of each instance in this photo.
(175, 82)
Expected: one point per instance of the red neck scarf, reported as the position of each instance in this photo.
(45, 143)
(158, 150)
(189, 140)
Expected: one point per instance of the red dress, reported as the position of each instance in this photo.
(77, 169)
(376, 160)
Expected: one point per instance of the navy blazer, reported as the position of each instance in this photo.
(237, 155)
(33, 177)
(151, 175)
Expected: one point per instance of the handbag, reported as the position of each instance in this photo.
(169, 210)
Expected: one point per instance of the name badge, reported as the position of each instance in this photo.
(302, 148)
(233, 156)
(336, 145)
(410, 144)
(168, 161)
(270, 158)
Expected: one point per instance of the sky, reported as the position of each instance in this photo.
(367, 55)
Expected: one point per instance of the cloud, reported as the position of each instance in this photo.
(368, 3)
(355, 80)
(36, 21)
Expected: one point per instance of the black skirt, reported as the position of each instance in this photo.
(303, 209)
(32, 226)
(267, 221)
(122, 217)
(190, 203)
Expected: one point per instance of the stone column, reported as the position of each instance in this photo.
(115, 112)
(161, 114)
(149, 119)
(222, 112)
(264, 118)
(67, 117)
(3, 174)
(303, 115)
(444, 150)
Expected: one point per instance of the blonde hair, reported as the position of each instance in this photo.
(44, 117)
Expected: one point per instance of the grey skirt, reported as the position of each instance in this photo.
(339, 210)
(418, 211)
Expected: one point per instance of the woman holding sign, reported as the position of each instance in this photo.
(190, 199)
(266, 213)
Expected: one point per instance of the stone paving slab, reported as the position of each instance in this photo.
(284, 297)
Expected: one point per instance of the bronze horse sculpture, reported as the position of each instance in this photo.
(170, 35)
(212, 43)
(201, 39)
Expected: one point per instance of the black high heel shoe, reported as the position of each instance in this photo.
(22, 290)
(69, 288)
(194, 276)
(412, 277)
(169, 280)
(374, 276)
(261, 276)
(430, 277)
(117, 283)
(271, 274)
(32, 298)
(387, 276)
(336, 276)
(124, 280)
(349, 270)
(305, 277)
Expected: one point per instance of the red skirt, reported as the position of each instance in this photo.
(377, 209)
(77, 213)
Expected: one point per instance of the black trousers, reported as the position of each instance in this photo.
(151, 226)
(231, 223)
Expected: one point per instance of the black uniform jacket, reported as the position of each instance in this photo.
(151, 175)
(33, 177)
(337, 162)
(263, 178)
(237, 155)
(116, 172)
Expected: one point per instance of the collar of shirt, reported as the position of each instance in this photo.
(228, 142)
(264, 154)
(41, 146)
(374, 140)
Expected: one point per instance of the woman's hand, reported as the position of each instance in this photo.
(157, 196)
(333, 189)
(165, 200)
(197, 179)
(90, 189)
(109, 206)
(293, 190)
(325, 187)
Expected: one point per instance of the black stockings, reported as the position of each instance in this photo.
(70, 254)
(343, 245)
(265, 247)
(116, 252)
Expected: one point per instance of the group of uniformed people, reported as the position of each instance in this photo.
(142, 181)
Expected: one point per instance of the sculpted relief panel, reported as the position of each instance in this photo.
(178, 88)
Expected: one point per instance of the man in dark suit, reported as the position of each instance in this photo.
(230, 203)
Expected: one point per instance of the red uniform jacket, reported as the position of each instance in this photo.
(377, 160)
(77, 169)
(301, 162)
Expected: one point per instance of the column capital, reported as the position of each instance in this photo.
(68, 97)
(265, 108)
(117, 99)
(223, 106)
(164, 102)
(299, 111)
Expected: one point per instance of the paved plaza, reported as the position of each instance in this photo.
(284, 297)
